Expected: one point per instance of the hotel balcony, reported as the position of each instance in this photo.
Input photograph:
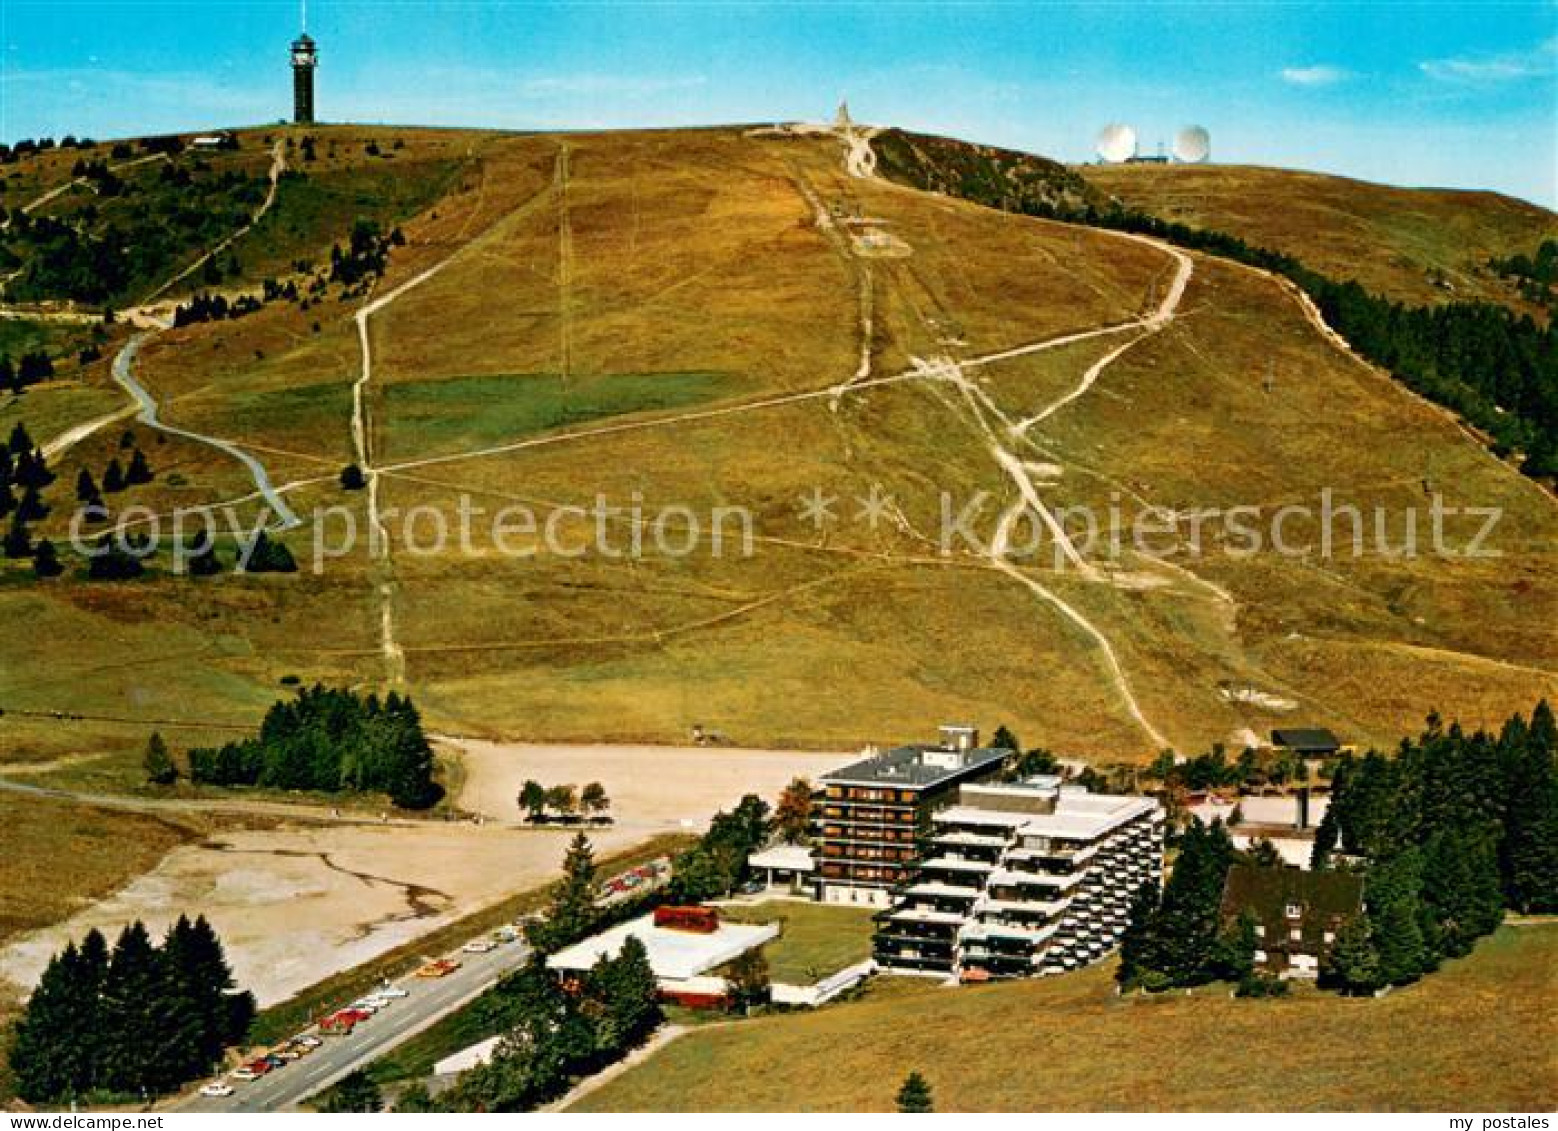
(936, 893)
(965, 839)
(922, 916)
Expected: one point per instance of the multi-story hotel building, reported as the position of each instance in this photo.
(1022, 878)
(873, 813)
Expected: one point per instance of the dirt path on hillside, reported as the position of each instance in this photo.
(975, 405)
(564, 267)
(278, 166)
(859, 158)
(153, 321)
(362, 434)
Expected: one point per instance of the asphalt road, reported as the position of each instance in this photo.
(429, 1000)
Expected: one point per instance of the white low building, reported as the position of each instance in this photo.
(681, 959)
(785, 868)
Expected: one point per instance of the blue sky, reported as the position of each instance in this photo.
(1462, 95)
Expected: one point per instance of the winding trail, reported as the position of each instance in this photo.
(278, 165)
(143, 405)
(860, 162)
(146, 411)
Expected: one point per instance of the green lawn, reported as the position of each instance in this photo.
(815, 939)
(1477, 1036)
(57, 339)
(458, 414)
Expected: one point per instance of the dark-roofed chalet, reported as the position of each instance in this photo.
(1311, 742)
(1297, 913)
(873, 811)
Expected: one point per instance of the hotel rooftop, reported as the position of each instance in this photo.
(923, 765)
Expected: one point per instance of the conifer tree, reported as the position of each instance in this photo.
(32, 507)
(17, 542)
(158, 763)
(204, 562)
(915, 1097)
(1352, 964)
(792, 814)
(139, 470)
(571, 911)
(1136, 950)
(113, 477)
(267, 555)
(45, 560)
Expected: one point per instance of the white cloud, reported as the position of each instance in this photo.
(1490, 70)
(1320, 74)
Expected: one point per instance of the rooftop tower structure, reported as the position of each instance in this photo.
(304, 59)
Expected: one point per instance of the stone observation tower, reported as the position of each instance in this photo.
(304, 60)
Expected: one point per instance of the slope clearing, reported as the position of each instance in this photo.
(718, 318)
(1423, 246)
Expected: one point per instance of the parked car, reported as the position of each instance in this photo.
(391, 992)
(246, 1073)
(217, 1089)
(752, 887)
(479, 946)
(438, 968)
(260, 1067)
(308, 1042)
(273, 1060)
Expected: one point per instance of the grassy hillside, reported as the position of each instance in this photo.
(1477, 1036)
(1425, 245)
(716, 318)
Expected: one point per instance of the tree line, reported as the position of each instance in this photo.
(1447, 834)
(24, 475)
(1497, 369)
(1450, 832)
(331, 741)
(138, 1019)
(717, 864)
